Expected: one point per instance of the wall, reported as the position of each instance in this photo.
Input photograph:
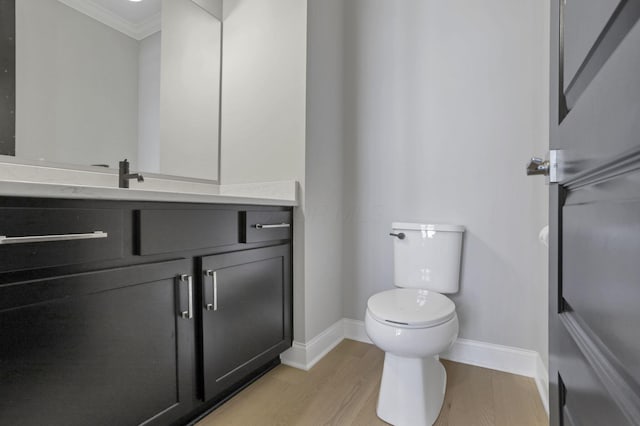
(444, 103)
(60, 94)
(149, 104)
(190, 91)
(263, 113)
(324, 166)
(415, 111)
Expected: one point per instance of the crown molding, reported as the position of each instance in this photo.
(100, 14)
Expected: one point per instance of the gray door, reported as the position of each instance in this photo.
(594, 303)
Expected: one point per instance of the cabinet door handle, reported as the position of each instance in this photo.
(273, 225)
(48, 238)
(215, 290)
(188, 314)
(214, 281)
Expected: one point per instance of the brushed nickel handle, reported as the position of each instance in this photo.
(273, 225)
(538, 166)
(49, 238)
(212, 306)
(188, 314)
(215, 290)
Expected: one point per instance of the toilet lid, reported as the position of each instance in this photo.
(411, 307)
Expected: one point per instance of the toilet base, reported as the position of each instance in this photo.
(412, 390)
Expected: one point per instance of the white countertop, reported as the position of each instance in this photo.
(29, 181)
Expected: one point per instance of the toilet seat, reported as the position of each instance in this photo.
(411, 308)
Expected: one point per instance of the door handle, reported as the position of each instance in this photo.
(538, 166)
(188, 314)
(550, 167)
(214, 282)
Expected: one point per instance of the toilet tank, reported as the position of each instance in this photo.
(428, 257)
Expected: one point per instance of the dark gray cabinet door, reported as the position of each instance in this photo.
(100, 348)
(594, 299)
(246, 315)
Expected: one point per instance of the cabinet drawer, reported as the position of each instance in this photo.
(58, 237)
(259, 226)
(166, 231)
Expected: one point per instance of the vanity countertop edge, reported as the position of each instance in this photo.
(229, 194)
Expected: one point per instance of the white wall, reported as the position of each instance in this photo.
(190, 91)
(324, 166)
(263, 95)
(149, 104)
(444, 103)
(263, 107)
(69, 110)
(415, 110)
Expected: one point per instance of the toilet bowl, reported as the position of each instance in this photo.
(413, 381)
(414, 323)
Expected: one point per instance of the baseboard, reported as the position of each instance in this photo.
(305, 355)
(542, 383)
(354, 330)
(512, 360)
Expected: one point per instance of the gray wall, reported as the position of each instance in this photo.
(149, 104)
(415, 110)
(263, 108)
(85, 110)
(324, 166)
(444, 103)
(190, 91)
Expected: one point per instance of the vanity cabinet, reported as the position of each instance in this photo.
(156, 322)
(106, 347)
(243, 324)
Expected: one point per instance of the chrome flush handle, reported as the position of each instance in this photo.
(399, 235)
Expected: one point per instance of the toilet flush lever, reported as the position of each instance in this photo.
(400, 235)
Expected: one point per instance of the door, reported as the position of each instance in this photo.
(594, 301)
(99, 348)
(246, 313)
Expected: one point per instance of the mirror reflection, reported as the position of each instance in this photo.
(98, 81)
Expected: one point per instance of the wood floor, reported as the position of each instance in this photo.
(342, 389)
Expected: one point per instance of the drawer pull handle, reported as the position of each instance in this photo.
(48, 238)
(188, 314)
(272, 226)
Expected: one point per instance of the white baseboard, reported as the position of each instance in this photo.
(354, 330)
(305, 355)
(542, 383)
(512, 360)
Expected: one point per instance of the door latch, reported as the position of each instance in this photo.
(539, 166)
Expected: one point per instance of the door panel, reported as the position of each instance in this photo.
(584, 400)
(605, 291)
(573, 34)
(583, 24)
(106, 348)
(594, 367)
(247, 323)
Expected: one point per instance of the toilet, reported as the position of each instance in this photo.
(415, 322)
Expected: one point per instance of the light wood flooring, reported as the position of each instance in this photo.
(342, 389)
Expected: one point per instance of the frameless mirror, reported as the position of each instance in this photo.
(98, 81)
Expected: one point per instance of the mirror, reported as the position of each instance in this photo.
(98, 81)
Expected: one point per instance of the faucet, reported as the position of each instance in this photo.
(125, 176)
